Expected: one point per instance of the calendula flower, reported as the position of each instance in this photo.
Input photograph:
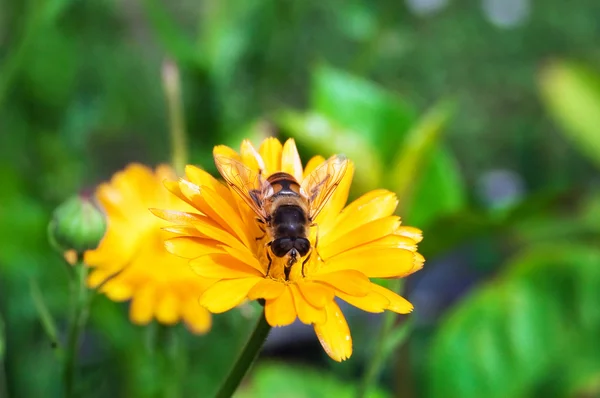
(225, 240)
(131, 262)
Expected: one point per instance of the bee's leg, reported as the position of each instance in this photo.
(286, 271)
(304, 263)
(262, 229)
(270, 260)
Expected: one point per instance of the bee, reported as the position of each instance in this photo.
(285, 208)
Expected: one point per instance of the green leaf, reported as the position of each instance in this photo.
(377, 116)
(170, 34)
(572, 95)
(416, 150)
(273, 380)
(440, 191)
(326, 137)
(529, 328)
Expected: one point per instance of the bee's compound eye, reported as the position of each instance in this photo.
(302, 245)
(282, 246)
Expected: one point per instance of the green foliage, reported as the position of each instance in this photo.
(572, 94)
(271, 380)
(532, 329)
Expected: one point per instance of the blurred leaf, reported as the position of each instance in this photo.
(529, 328)
(2, 341)
(399, 335)
(325, 137)
(417, 146)
(440, 191)
(572, 94)
(375, 115)
(276, 380)
(170, 34)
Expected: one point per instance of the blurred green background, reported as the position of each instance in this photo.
(483, 115)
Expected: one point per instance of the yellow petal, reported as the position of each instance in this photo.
(351, 282)
(196, 317)
(334, 334)
(250, 156)
(290, 160)
(178, 217)
(395, 241)
(167, 308)
(173, 188)
(222, 266)
(366, 233)
(372, 302)
(270, 151)
(316, 294)
(184, 230)
(117, 291)
(336, 203)
(410, 232)
(210, 228)
(142, 305)
(226, 294)
(369, 207)
(226, 151)
(201, 178)
(222, 210)
(245, 256)
(191, 247)
(397, 303)
(312, 164)
(267, 289)
(281, 311)
(373, 262)
(306, 312)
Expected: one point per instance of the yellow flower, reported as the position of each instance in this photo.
(224, 241)
(131, 261)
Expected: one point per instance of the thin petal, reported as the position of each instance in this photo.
(397, 303)
(351, 282)
(316, 294)
(373, 262)
(366, 233)
(209, 228)
(196, 317)
(270, 151)
(229, 216)
(334, 334)
(336, 203)
(306, 312)
(281, 311)
(201, 178)
(142, 305)
(410, 232)
(245, 256)
(187, 231)
(222, 266)
(117, 291)
(191, 247)
(173, 187)
(167, 308)
(312, 164)
(372, 302)
(250, 156)
(267, 289)
(226, 294)
(226, 151)
(178, 217)
(290, 160)
(369, 207)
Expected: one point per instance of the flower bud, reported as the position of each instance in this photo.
(76, 226)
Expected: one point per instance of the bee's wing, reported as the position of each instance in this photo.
(322, 182)
(249, 185)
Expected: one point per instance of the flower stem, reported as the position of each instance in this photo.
(177, 130)
(246, 358)
(382, 350)
(78, 321)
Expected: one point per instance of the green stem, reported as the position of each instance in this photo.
(76, 327)
(3, 386)
(45, 317)
(246, 358)
(380, 354)
(177, 129)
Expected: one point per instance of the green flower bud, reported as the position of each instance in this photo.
(76, 226)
